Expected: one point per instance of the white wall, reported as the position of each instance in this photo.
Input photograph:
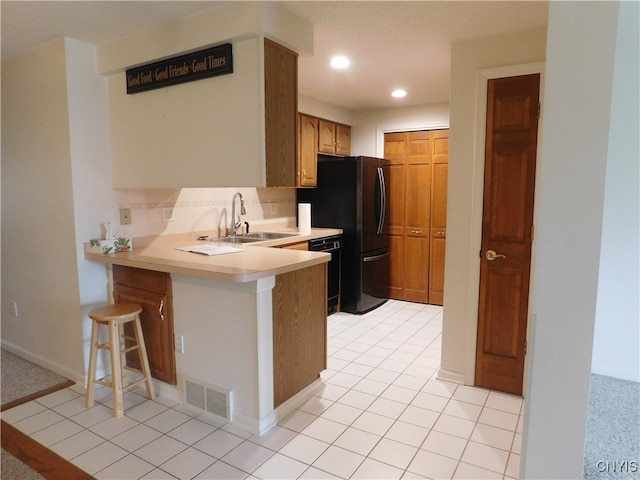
(575, 135)
(616, 349)
(464, 200)
(39, 249)
(370, 126)
(207, 133)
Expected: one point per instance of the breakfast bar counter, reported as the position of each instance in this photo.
(251, 324)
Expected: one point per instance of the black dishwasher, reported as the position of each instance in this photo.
(330, 245)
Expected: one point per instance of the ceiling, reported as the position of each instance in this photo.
(391, 44)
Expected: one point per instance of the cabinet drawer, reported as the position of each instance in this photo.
(140, 278)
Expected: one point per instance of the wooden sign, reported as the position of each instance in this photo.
(185, 68)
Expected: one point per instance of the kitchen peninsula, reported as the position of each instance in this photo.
(253, 321)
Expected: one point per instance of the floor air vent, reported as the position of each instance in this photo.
(216, 400)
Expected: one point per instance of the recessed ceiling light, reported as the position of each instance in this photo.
(339, 62)
(399, 93)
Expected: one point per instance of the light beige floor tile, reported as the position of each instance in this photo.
(297, 420)
(445, 444)
(126, 468)
(247, 456)
(407, 433)
(305, 449)
(357, 441)
(341, 413)
(192, 431)
(466, 471)
(218, 443)
(371, 469)
(487, 457)
(137, 437)
(432, 465)
(324, 430)
(492, 436)
(393, 453)
(222, 471)
(280, 467)
(498, 418)
(161, 449)
(187, 463)
(56, 432)
(339, 462)
(459, 427)
(99, 457)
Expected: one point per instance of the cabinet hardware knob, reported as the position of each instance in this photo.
(160, 310)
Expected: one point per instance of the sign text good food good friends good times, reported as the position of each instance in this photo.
(185, 68)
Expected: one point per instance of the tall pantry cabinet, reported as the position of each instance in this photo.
(417, 213)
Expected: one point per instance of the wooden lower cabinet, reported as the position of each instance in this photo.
(152, 291)
(417, 213)
(299, 330)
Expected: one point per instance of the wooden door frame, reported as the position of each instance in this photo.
(473, 300)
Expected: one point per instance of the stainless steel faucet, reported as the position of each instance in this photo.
(235, 223)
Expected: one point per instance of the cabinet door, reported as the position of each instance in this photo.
(152, 291)
(343, 140)
(281, 110)
(326, 137)
(308, 151)
(299, 330)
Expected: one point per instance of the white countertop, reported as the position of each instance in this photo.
(256, 260)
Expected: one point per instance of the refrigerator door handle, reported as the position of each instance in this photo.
(375, 257)
(382, 199)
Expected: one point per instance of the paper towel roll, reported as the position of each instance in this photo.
(304, 218)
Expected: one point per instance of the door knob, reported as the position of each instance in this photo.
(492, 255)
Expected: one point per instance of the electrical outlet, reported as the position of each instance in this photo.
(180, 343)
(167, 214)
(125, 216)
(14, 309)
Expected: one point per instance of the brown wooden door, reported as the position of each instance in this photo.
(395, 152)
(507, 225)
(439, 182)
(417, 216)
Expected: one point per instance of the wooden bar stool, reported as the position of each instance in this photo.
(113, 317)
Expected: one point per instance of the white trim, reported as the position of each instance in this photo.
(475, 239)
(449, 376)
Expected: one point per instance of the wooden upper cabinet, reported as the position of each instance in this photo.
(281, 110)
(343, 140)
(334, 138)
(307, 150)
(316, 135)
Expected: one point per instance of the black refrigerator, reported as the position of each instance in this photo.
(352, 194)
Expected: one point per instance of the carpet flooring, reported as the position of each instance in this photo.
(612, 447)
(22, 381)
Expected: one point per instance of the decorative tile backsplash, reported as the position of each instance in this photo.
(198, 209)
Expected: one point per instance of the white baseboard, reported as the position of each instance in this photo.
(44, 363)
(449, 376)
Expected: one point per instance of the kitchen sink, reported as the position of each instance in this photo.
(236, 239)
(251, 237)
(268, 235)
